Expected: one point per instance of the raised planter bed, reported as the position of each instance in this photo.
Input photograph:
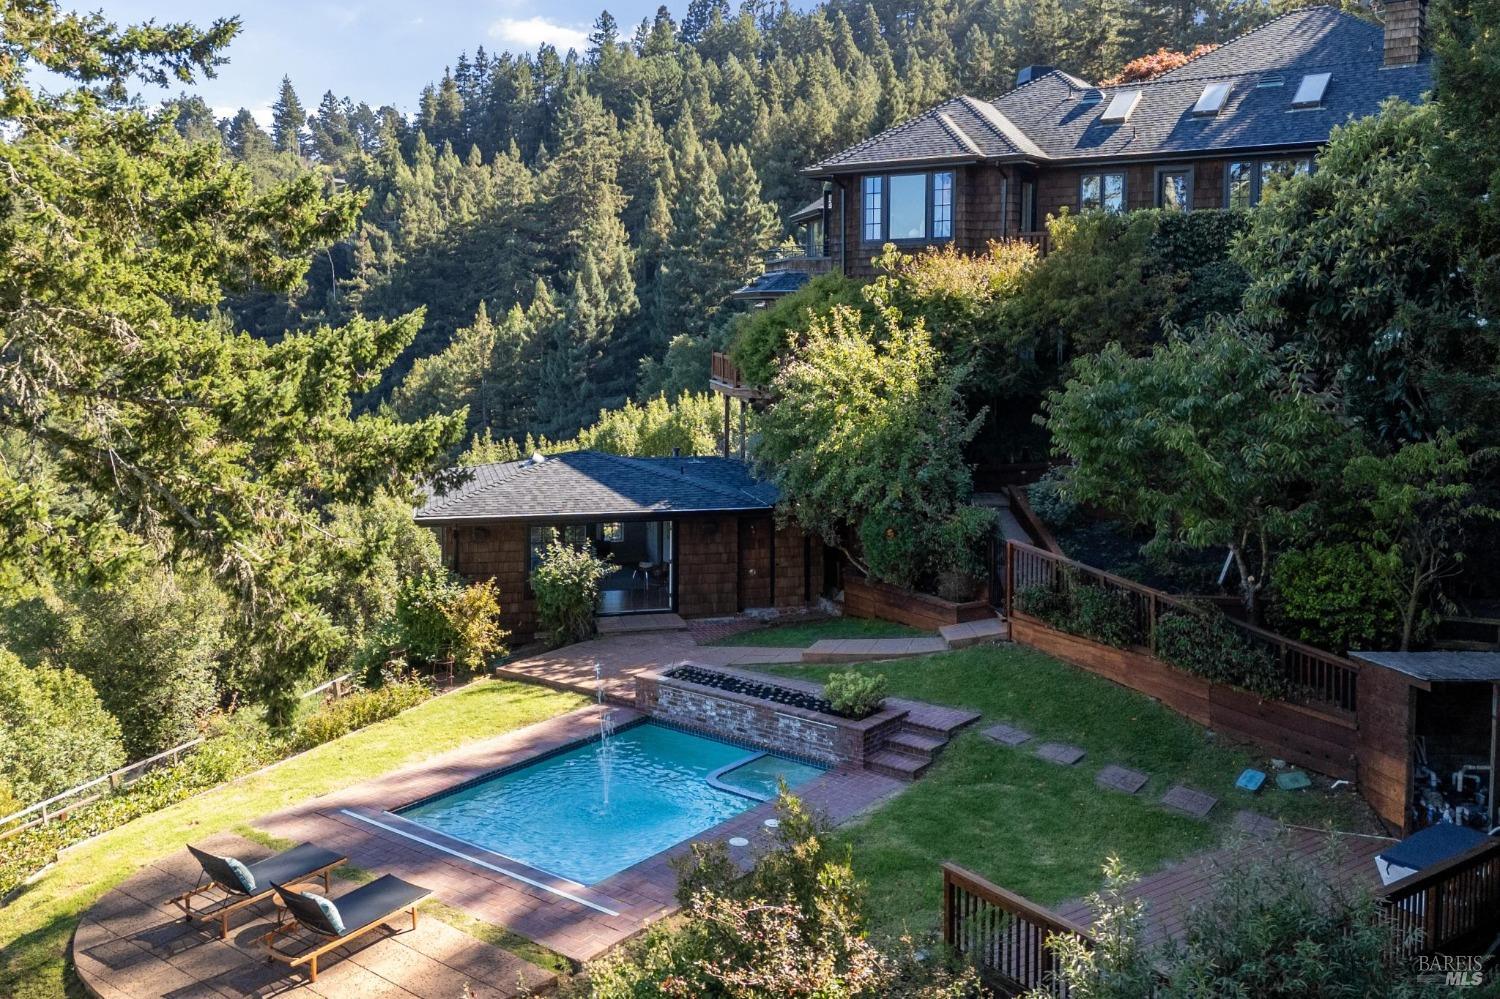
(743, 707)
(869, 599)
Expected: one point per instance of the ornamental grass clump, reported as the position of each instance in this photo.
(566, 583)
(855, 695)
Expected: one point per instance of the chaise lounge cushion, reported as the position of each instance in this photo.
(371, 903)
(246, 879)
(330, 911)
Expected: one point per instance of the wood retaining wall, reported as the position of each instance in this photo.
(1306, 736)
(863, 598)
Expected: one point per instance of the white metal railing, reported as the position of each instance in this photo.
(59, 806)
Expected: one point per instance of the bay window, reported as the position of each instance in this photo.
(907, 207)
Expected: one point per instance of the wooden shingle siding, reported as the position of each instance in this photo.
(499, 552)
(707, 566)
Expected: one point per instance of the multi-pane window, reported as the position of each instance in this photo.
(1174, 190)
(874, 209)
(1246, 182)
(1239, 184)
(907, 207)
(540, 537)
(942, 205)
(1102, 190)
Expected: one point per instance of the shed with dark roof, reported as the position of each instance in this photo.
(690, 535)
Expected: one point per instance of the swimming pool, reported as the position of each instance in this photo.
(595, 810)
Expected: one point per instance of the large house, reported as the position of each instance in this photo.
(1216, 132)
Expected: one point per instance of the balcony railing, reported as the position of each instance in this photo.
(1456, 902)
(724, 377)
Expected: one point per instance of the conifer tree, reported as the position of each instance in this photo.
(288, 120)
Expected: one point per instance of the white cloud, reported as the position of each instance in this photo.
(261, 113)
(530, 32)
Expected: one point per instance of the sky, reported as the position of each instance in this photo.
(381, 51)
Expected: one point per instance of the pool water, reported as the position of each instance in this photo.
(593, 811)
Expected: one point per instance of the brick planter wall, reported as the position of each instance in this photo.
(778, 728)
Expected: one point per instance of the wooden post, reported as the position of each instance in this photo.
(742, 430)
(726, 426)
(1494, 748)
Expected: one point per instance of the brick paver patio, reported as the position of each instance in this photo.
(133, 943)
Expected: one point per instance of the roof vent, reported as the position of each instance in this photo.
(1310, 91)
(536, 458)
(1211, 101)
(1029, 73)
(1120, 107)
(1269, 81)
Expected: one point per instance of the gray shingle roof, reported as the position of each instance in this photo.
(1481, 667)
(594, 484)
(773, 283)
(1048, 119)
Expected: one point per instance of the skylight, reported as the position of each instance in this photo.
(1091, 97)
(1120, 107)
(1212, 99)
(1310, 91)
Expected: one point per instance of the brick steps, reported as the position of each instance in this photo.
(889, 763)
(961, 636)
(923, 747)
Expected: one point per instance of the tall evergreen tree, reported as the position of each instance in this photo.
(288, 120)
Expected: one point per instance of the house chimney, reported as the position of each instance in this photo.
(1029, 73)
(1405, 31)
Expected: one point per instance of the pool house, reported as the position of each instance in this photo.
(692, 536)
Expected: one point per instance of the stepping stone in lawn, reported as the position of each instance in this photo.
(1059, 752)
(1255, 824)
(1123, 779)
(1184, 799)
(1007, 735)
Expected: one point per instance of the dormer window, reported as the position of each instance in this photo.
(1121, 105)
(1211, 101)
(1310, 91)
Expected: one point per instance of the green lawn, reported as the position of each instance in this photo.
(803, 634)
(35, 928)
(1035, 827)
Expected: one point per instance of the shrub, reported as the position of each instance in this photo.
(1101, 613)
(1336, 597)
(437, 618)
(1207, 645)
(566, 583)
(356, 710)
(766, 336)
(54, 733)
(1104, 614)
(792, 926)
(1048, 501)
(855, 695)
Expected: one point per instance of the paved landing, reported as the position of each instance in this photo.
(857, 650)
(133, 943)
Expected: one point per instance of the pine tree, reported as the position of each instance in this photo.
(332, 139)
(247, 139)
(288, 120)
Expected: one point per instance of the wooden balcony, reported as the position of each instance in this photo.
(1041, 240)
(725, 379)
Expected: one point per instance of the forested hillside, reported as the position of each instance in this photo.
(572, 222)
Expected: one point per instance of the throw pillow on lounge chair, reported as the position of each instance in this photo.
(247, 880)
(330, 911)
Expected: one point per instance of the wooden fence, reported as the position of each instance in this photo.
(1456, 902)
(60, 806)
(1003, 934)
(1319, 679)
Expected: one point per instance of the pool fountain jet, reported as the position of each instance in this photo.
(606, 730)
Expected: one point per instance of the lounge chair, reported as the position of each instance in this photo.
(347, 917)
(301, 863)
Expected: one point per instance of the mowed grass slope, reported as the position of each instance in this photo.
(1036, 827)
(36, 927)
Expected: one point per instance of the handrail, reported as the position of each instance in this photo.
(1328, 680)
(1448, 903)
(117, 779)
(1006, 936)
(722, 369)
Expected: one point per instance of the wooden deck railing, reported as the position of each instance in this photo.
(1003, 934)
(1320, 678)
(1041, 239)
(722, 369)
(1456, 902)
